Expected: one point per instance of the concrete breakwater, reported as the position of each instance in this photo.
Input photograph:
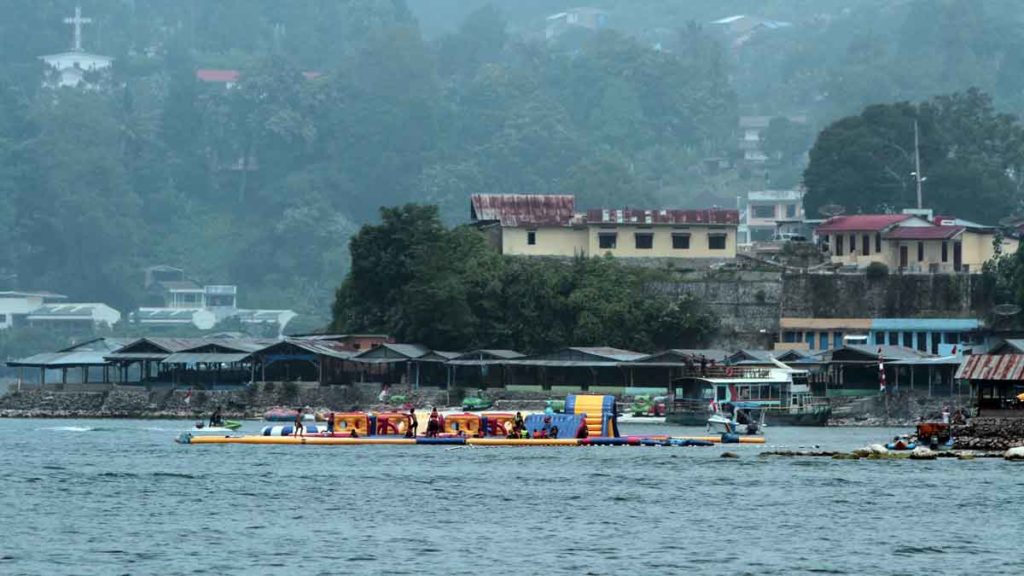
(138, 402)
(251, 402)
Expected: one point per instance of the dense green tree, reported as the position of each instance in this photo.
(971, 158)
(415, 279)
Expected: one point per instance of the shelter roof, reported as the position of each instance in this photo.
(1010, 346)
(861, 223)
(992, 367)
(924, 232)
(609, 353)
(62, 359)
(388, 352)
(870, 353)
(638, 216)
(490, 354)
(523, 209)
(204, 358)
(683, 355)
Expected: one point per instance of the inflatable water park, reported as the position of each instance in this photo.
(587, 420)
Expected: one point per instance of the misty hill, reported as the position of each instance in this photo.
(246, 140)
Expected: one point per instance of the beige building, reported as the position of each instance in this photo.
(909, 243)
(535, 225)
(766, 208)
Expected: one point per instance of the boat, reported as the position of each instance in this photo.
(227, 427)
(589, 420)
(902, 443)
(476, 403)
(781, 393)
(647, 405)
(746, 418)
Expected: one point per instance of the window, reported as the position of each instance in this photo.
(894, 338)
(865, 245)
(920, 251)
(837, 339)
(790, 210)
(922, 341)
(908, 339)
(879, 338)
(3, 318)
(531, 237)
(823, 341)
(789, 336)
(945, 251)
(681, 241)
(853, 244)
(809, 338)
(606, 240)
(356, 345)
(878, 242)
(839, 245)
(764, 211)
(716, 241)
(644, 240)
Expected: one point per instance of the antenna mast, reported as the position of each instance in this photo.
(917, 165)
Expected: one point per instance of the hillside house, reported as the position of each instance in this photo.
(539, 225)
(910, 243)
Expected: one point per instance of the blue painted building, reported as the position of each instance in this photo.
(925, 334)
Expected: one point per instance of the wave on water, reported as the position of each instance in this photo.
(68, 429)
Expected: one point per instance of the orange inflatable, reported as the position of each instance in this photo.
(463, 424)
(499, 423)
(392, 423)
(346, 422)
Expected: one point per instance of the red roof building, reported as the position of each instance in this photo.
(512, 210)
(861, 223)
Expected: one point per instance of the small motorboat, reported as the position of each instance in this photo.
(901, 443)
(749, 419)
(226, 427)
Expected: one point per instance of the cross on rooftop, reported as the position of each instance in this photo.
(77, 22)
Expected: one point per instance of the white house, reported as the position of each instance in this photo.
(14, 306)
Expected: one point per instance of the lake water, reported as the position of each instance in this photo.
(120, 497)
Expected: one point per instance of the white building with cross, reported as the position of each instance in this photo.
(70, 68)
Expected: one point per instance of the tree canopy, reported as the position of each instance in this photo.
(971, 159)
(419, 281)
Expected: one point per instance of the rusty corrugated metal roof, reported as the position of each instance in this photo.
(523, 209)
(992, 367)
(637, 216)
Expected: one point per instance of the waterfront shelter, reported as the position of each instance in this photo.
(82, 363)
(595, 369)
(305, 360)
(658, 371)
(996, 381)
(212, 363)
(481, 368)
(391, 363)
(853, 369)
(140, 360)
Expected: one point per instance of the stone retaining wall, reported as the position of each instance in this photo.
(989, 434)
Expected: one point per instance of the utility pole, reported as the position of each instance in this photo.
(917, 165)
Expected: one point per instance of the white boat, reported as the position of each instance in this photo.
(201, 429)
(752, 421)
